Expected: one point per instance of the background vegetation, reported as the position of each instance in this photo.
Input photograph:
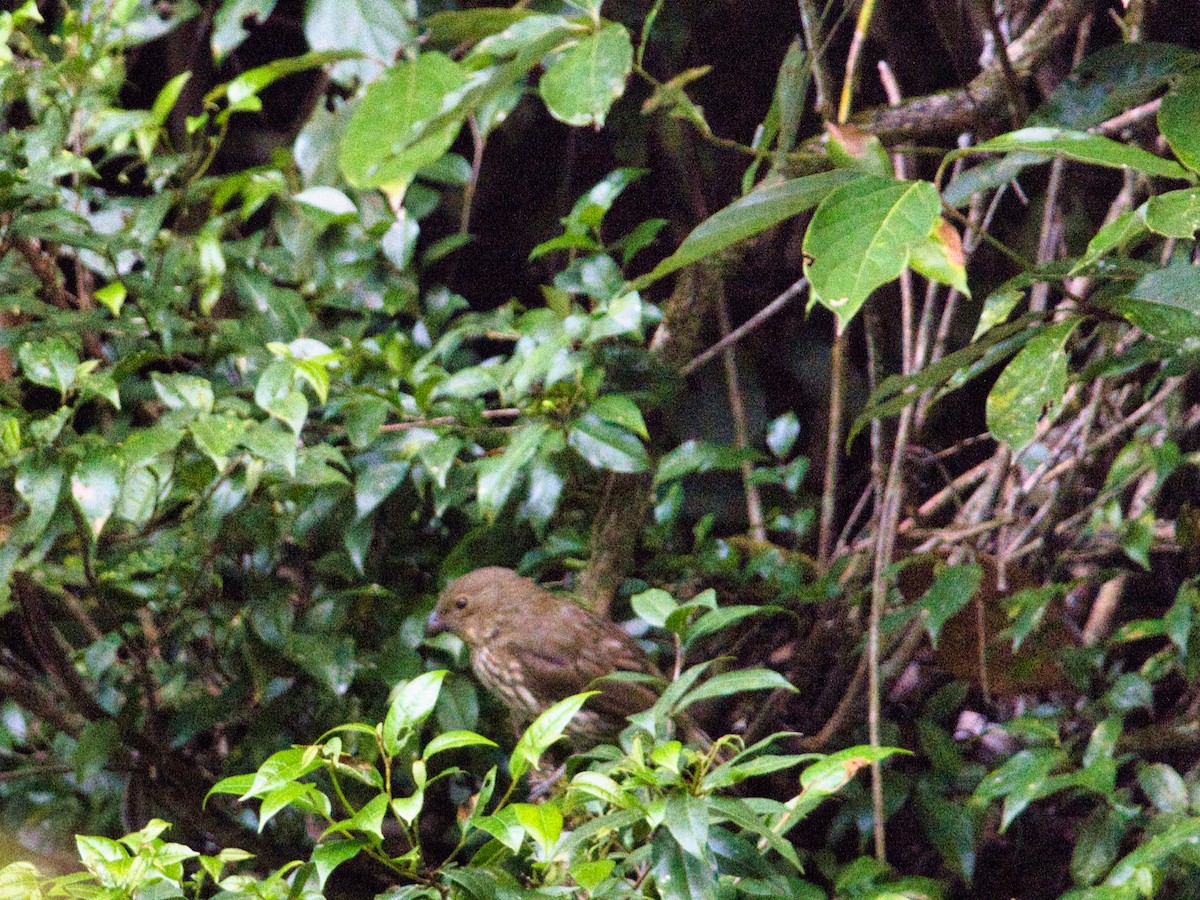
(850, 346)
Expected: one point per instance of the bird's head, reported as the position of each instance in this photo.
(475, 604)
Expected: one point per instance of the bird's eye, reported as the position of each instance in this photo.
(460, 603)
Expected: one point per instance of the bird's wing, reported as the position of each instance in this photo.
(571, 649)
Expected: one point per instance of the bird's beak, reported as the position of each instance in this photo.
(435, 624)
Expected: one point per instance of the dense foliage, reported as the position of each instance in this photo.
(269, 375)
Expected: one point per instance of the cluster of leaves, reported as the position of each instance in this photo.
(654, 820)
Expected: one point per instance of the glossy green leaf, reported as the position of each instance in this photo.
(376, 29)
(1110, 81)
(1164, 787)
(217, 436)
(1174, 214)
(952, 588)
(620, 410)
(411, 704)
(184, 392)
(581, 86)
(608, 446)
(1165, 303)
(452, 740)
(1031, 385)
(861, 237)
(544, 731)
(376, 483)
(1123, 230)
(653, 606)
(230, 24)
(543, 822)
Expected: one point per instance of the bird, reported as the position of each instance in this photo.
(532, 648)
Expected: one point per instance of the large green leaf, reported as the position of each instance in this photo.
(388, 138)
(608, 446)
(582, 85)
(861, 237)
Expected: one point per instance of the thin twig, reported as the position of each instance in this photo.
(745, 328)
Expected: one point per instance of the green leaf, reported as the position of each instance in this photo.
(1031, 385)
(544, 731)
(50, 363)
(1110, 81)
(375, 483)
(694, 457)
(112, 297)
(1177, 119)
(449, 28)
(217, 436)
(498, 475)
(1165, 788)
(861, 237)
(620, 410)
(952, 588)
(1174, 214)
(1023, 778)
(1120, 231)
(608, 446)
(452, 740)
(412, 702)
(95, 487)
(679, 875)
(377, 31)
(1165, 303)
(582, 85)
(687, 819)
(543, 822)
(747, 216)
(782, 433)
(1082, 147)
(183, 392)
(387, 139)
(728, 683)
(654, 606)
(280, 768)
(269, 442)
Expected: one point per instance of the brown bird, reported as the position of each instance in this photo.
(532, 648)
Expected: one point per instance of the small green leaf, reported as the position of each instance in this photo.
(498, 475)
(50, 363)
(95, 487)
(687, 820)
(412, 702)
(452, 740)
(1165, 788)
(543, 822)
(782, 433)
(747, 216)
(1084, 147)
(112, 297)
(654, 606)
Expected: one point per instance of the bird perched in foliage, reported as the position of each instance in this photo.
(532, 648)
